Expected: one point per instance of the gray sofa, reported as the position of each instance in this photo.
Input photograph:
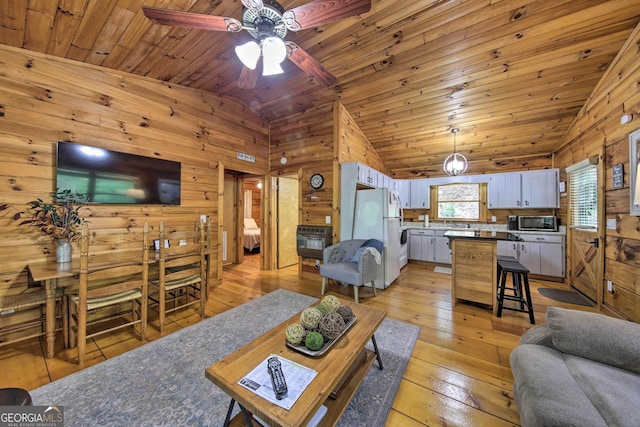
(578, 369)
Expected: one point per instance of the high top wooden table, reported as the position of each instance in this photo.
(48, 273)
(342, 368)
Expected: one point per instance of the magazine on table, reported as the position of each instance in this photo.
(297, 377)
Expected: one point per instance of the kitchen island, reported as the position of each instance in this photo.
(474, 269)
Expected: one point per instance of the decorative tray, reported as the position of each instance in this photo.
(327, 345)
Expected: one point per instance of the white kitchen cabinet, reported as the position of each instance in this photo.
(420, 194)
(427, 245)
(385, 181)
(421, 245)
(441, 252)
(529, 189)
(529, 256)
(367, 176)
(540, 189)
(403, 187)
(542, 254)
(495, 188)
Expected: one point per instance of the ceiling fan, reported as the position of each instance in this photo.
(268, 23)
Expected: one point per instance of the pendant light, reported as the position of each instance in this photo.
(455, 163)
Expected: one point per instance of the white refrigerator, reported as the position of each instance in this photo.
(377, 216)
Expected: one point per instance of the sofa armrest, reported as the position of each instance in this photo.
(539, 334)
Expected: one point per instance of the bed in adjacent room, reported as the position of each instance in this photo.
(251, 234)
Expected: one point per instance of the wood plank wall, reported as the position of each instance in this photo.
(45, 99)
(596, 128)
(306, 140)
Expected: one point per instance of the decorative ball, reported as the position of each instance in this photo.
(310, 317)
(332, 302)
(295, 333)
(331, 325)
(346, 313)
(314, 341)
(323, 308)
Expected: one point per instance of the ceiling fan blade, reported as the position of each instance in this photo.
(319, 12)
(253, 4)
(309, 65)
(178, 18)
(248, 78)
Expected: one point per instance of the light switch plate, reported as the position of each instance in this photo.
(327, 219)
(183, 243)
(203, 218)
(611, 224)
(609, 286)
(421, 217)
(493, 218)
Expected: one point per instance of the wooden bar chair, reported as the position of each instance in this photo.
(19, 325)
(113, 288)
(181, 272)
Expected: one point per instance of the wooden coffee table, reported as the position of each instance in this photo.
(340, 371)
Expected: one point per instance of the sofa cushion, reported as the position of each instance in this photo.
(613, 392)
(545, 391)
(595, 336)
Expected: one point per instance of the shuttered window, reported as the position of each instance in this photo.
(584, 196)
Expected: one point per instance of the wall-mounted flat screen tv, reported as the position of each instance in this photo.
(111, 177)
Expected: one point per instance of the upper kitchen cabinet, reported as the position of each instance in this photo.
(530, 189)
(540, 189)
(419, 194)
(367, 176)
(403, 187)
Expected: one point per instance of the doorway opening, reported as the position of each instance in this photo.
(242, 215)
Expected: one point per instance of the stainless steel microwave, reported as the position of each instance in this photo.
(538, 223)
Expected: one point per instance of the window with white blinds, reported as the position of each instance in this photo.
(583, 187)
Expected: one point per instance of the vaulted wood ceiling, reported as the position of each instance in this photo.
(510, 74)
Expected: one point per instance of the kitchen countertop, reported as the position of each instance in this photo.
(481, 235)
(477, 227)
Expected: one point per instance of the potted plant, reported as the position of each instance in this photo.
(60, 219)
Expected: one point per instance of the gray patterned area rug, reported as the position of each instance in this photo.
(163, 382)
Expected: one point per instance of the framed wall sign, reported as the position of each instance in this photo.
(618, 176)
(634, 173)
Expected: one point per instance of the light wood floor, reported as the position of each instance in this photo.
(458, 375)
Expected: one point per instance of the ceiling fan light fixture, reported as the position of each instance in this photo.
(274, 52)
(455, 163)
(249, 53)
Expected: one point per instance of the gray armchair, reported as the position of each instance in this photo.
(338, 265)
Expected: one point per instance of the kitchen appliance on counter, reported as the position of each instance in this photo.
(512, 222)
(377, 216)
(538, 223)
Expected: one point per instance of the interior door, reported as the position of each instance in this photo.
(585, 248)
(229, 221)
(287, 221)
(586, 243)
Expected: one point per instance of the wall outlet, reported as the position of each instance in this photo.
(318, 263)
(611, 224)
(609, 286)
(203, 218)
(327, 219)
(421, 217)
(493, 218)
(183, 243)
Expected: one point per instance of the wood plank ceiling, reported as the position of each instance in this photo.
(511, 74)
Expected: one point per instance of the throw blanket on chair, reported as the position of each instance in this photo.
(374, 246)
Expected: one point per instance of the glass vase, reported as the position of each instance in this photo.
(63, 250)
